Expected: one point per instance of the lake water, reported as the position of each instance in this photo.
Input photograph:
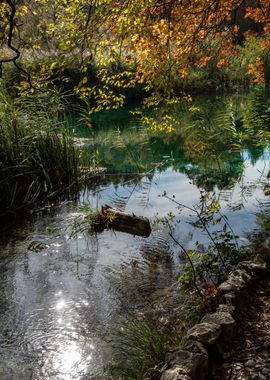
(59, 306)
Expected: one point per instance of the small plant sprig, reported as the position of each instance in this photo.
(91, 220)
(208, 267)
(87, 216)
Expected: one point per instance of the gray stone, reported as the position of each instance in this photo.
(194, 363)
(176, 373)
(226, 308)
(206, 333)
(266, 371)
(261, 259)
(237, 281)
(195, 347)
(250, 363)
(225, 320)
(230, 299)
(253, 267)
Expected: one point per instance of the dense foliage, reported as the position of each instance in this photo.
(159, 44)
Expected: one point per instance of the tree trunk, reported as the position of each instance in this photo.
(118, 220)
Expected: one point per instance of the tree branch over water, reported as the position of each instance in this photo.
(11, 26)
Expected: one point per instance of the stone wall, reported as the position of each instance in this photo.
(207, 340)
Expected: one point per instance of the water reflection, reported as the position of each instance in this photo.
(58, 305)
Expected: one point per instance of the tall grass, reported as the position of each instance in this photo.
(38, 156)
(138, 349)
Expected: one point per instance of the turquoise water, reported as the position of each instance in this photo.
(59, 306)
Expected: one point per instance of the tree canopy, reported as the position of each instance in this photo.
(152, 42)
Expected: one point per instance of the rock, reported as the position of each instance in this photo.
(230, 299)
(225, 320)
(250, 363)
(36, 246)
(254, 267)
(261, 259)
(266, 371)
(206, 333)
(237, 281)
(195, 347)
(226, 355)
(176, 373)
(226, 308)
(194, 363)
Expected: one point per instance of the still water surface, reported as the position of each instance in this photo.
(59, 306)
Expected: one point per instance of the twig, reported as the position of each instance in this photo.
(188, 257)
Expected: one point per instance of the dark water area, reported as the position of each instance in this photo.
(59, 306)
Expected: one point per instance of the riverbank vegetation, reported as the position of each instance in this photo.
(38, 155)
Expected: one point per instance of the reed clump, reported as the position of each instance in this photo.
(38, 155)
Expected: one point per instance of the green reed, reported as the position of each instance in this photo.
(138, 350)
(38, 155)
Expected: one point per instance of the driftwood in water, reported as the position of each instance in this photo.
(118, 220)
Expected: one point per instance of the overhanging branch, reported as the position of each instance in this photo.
(11, 23)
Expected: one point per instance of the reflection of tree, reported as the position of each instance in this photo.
(224, 176)
(256, 112)
(263, 221)
(254, 152)
(206, 144)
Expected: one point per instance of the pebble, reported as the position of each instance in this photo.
(250, 363)
(266, 371)
(226, 355)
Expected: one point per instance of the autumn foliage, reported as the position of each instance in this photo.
(155, 42)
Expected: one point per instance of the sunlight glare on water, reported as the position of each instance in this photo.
(68, 360)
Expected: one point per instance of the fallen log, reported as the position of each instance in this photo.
(118, 220)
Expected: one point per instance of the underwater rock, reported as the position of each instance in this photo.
(36, 246)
